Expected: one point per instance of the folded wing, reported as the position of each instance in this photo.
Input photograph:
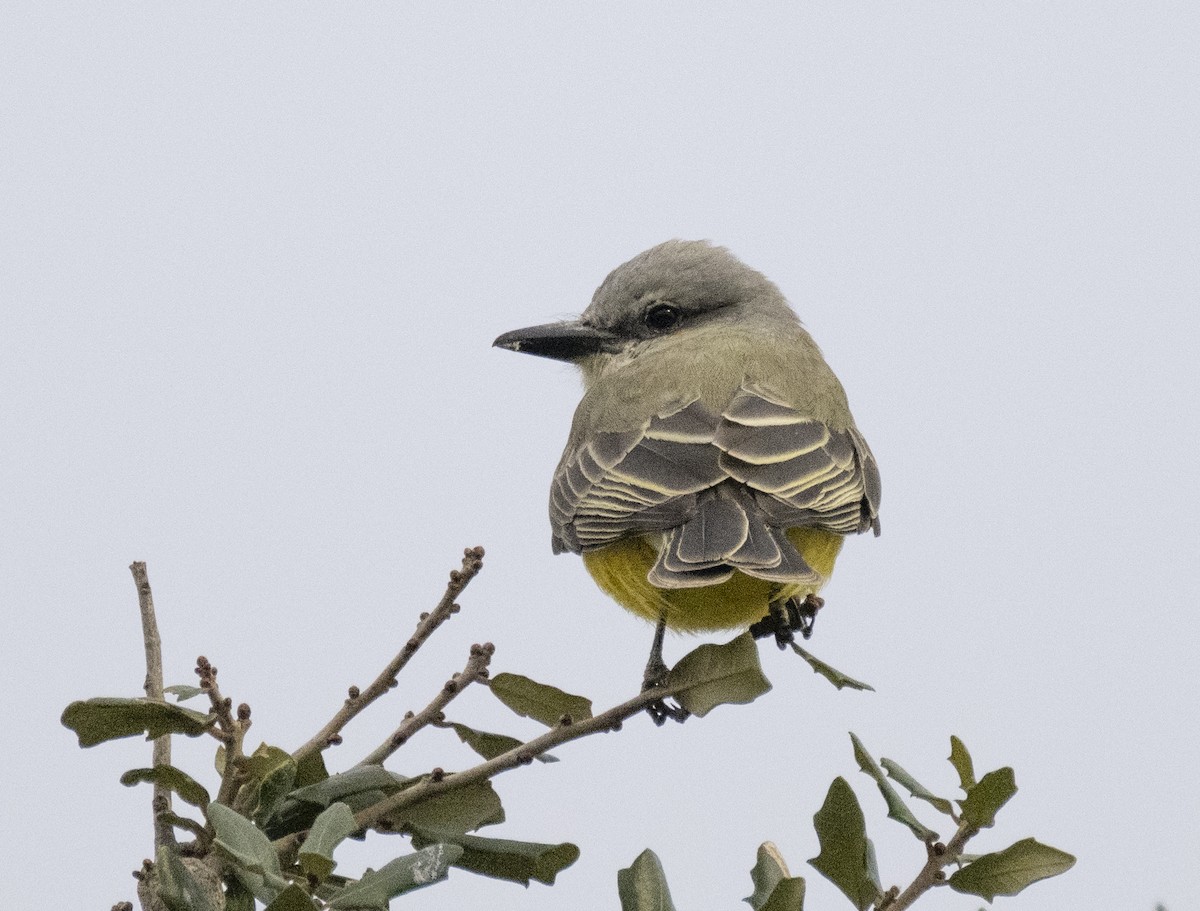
(721, 488)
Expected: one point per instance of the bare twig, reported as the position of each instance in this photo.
(439, 783)
(230, 730)
(164, 833)
(476, 669)
(931, 874)
(358, 700)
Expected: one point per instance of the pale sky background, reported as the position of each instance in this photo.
(253, 259)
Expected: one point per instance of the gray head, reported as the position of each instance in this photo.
(669, 288)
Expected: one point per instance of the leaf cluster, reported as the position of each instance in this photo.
(272, 830)
(271, 833)
(847, 855)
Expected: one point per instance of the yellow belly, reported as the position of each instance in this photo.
(620, 570)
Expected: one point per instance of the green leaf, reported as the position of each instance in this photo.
(354, 781)
(404, 874)
(488, 745)
(187, 825)
(961, 760)
(273, 774)
(775, 889)
(1009, 871)
(183, 784)
(237, 896)
(713, 675)
(329, 830)
(247, 848)
(453, 812)
(830, 673)
(266, 760)
(182, 691)
(847, 856)
(530, 699)
(502, 858)
(987, 796)
(293, 898)
(897, 809)
(769, 869)
(358, 788)
(311, 770)
(98, 720)
(915, 788)
(177, 885)
(642, 885)
(787, 896)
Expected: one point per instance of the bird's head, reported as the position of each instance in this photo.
(671, 289)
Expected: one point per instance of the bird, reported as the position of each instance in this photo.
(713, 467)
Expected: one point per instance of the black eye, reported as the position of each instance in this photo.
(662, 317)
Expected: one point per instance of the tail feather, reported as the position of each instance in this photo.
(727, 532)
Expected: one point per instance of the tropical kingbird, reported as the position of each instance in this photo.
(713, 465)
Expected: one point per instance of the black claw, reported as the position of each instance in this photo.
(660, 710)
(788, 617)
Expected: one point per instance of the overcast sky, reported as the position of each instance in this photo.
(253, 259)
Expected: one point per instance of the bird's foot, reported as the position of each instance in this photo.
(660, 709)
(788, 617)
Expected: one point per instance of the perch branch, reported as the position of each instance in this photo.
(440, 782)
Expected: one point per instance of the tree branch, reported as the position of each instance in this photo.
(476, 669)
(164, 833)
(931, 874)
(358, 700)
(229, 730)
(439, 783)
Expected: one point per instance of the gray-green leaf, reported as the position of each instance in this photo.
(489, 745)
(183, 784)
(713, 675)
(774, 888)
(1009, 871)
(453, 812)
(502, 858)
(293, 898)
(330, 829)
(253, 859)
(539, 701)
(404, 874)
(830, 673)
(97, 720)
(183, 691)
(987, 796)
(358, 788)
(897, 809)
(273, 774)
(847, 857)
(787, 896)
(915, 788)
(642, 886)
(961, 760)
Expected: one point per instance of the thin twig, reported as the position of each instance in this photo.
(439, 783)
(229, 730)
(358, 700)
(931, 874)
(164, 833)
(476, 669)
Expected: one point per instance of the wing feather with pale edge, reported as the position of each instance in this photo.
(722, 487)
